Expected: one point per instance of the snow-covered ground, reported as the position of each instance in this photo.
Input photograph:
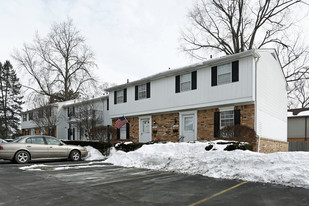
(286, 168)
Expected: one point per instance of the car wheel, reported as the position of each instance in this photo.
(22, 157)
(75, 155)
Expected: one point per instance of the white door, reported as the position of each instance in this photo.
(188, 127)
(144, 128)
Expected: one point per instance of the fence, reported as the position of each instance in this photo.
(299, 146)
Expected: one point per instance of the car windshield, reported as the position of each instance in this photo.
(18, 139)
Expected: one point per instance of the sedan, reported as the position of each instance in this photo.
(35, 147)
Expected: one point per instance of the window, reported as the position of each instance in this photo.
(227, 119)
(185, 82)
(142, 91)
(188, 124)
(35, 140)
(224, 74)
(52, 141)
(31, 116)
(24, 117)
(120, 97)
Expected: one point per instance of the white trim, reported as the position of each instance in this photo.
(181, 114)
(140, 129)
(225, 109)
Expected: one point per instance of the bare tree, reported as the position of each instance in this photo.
(60, 64)
(46, 118)
(87, 117)
(233, 26)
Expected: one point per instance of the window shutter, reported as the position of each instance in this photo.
(118, 133)
(125, 95)
(177, 86)
(193, 80)
(136, 92)
(236, 117)
(213, 76)
(128, 131)
(107, 102)
(216, 124)
(235, 71)
(148, 89)
(115, 97)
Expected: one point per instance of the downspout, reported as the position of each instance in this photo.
(255, 106)
(305, 128)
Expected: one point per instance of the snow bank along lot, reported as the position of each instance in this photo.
(286, 168)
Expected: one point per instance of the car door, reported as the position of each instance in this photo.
(37, 147)
(56, 148)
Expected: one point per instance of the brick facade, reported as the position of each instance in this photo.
(166, 127)
(205, 124)
(270, 146)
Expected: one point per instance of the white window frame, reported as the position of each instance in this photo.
(123, 132)
(120, 98)
(222, 71)
(224, 116)
(142, 91)
(185, 79)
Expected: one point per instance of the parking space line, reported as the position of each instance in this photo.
(128, 179)
(217, 194)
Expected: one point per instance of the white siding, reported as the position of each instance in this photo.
(271, 98)
(163, 97)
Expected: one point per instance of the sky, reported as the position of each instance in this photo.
(130, 39)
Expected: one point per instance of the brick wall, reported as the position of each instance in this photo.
(247, 114)
(205, 120)
(205, 124)
(270, 146)
(166, 127)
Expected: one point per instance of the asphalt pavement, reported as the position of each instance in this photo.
(96, 183)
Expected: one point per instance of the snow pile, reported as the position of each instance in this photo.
(290, 168)
(93, 154)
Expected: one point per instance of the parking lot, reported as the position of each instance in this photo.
(96, 183)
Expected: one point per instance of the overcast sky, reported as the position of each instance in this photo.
(130, 38)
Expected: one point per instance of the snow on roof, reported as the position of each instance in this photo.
(300, 114)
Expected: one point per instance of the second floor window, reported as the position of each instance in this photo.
(142, 91)
(120, 96)
(185, 82)
(224, 74)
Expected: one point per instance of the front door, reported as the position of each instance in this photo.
(188, 127)
(144, 128)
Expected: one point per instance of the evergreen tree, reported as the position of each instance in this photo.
(10, 100)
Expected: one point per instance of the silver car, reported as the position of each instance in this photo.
(34, 147)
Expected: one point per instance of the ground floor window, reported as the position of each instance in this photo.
(227, 119)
